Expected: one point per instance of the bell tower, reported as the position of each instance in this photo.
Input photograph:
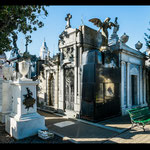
(44, 52)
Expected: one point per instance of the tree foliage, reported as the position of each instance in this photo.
(19, 18)
(147, 38)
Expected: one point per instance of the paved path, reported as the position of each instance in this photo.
(116, 130)
(77, 131)
(135, 135)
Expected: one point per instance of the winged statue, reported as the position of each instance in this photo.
(104, 26)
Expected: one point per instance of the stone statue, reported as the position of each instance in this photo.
(116, 28)
(104, 26)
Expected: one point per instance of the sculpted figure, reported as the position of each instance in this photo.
(116, 28)
(104, 26)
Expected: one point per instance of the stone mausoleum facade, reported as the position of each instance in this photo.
(82, 81)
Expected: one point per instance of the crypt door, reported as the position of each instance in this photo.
(69, 89)
(51, 90)
(134, 89)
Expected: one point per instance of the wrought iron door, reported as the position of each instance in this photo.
(51, 91)
(69, 89)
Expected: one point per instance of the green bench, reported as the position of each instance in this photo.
(139, 116)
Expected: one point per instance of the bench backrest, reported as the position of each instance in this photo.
(138, 112)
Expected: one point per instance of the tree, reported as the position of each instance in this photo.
(18, 18)
(147, 38)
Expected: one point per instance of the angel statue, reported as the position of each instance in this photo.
(116, 28)
(104, 26)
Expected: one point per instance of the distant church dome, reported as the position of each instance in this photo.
(44, 52)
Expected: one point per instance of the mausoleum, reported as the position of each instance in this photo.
(92, 78)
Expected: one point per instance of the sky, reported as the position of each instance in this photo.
(133, 20)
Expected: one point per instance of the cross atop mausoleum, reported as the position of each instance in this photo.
(68, 20)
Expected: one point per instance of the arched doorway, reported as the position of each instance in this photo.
(69, 89)
(51, 89)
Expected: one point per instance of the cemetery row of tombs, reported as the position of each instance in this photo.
(81, 81)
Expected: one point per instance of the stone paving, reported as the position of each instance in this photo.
(134, 135)
(68, 131)
(115, 130)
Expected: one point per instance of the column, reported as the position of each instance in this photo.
(128, 85)
(61, 87)
(122, 87)
(6, 100)
(79, 73)
(56, 89)
(75, 76)
(61, 84)
(79, 41)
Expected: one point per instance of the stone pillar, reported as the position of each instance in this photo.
(79, 55)
(122, 88)
(75, 77)
(6, 100)
(61, 85)
(128, 85)
(56, 89)
(24, 121)
(79, 76)
(80, 73)
(6, 104)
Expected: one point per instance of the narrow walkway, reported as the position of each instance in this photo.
(119, 124)
(76, 131)
(115, 130)
(135, 135)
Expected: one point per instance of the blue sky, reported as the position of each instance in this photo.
(133, 20)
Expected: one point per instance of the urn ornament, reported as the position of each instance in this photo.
(124, 38)
(138, 45)
(7, 71)
(24, 68)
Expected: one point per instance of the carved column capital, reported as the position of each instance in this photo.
(123, 62)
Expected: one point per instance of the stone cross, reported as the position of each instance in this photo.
(68, 20)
